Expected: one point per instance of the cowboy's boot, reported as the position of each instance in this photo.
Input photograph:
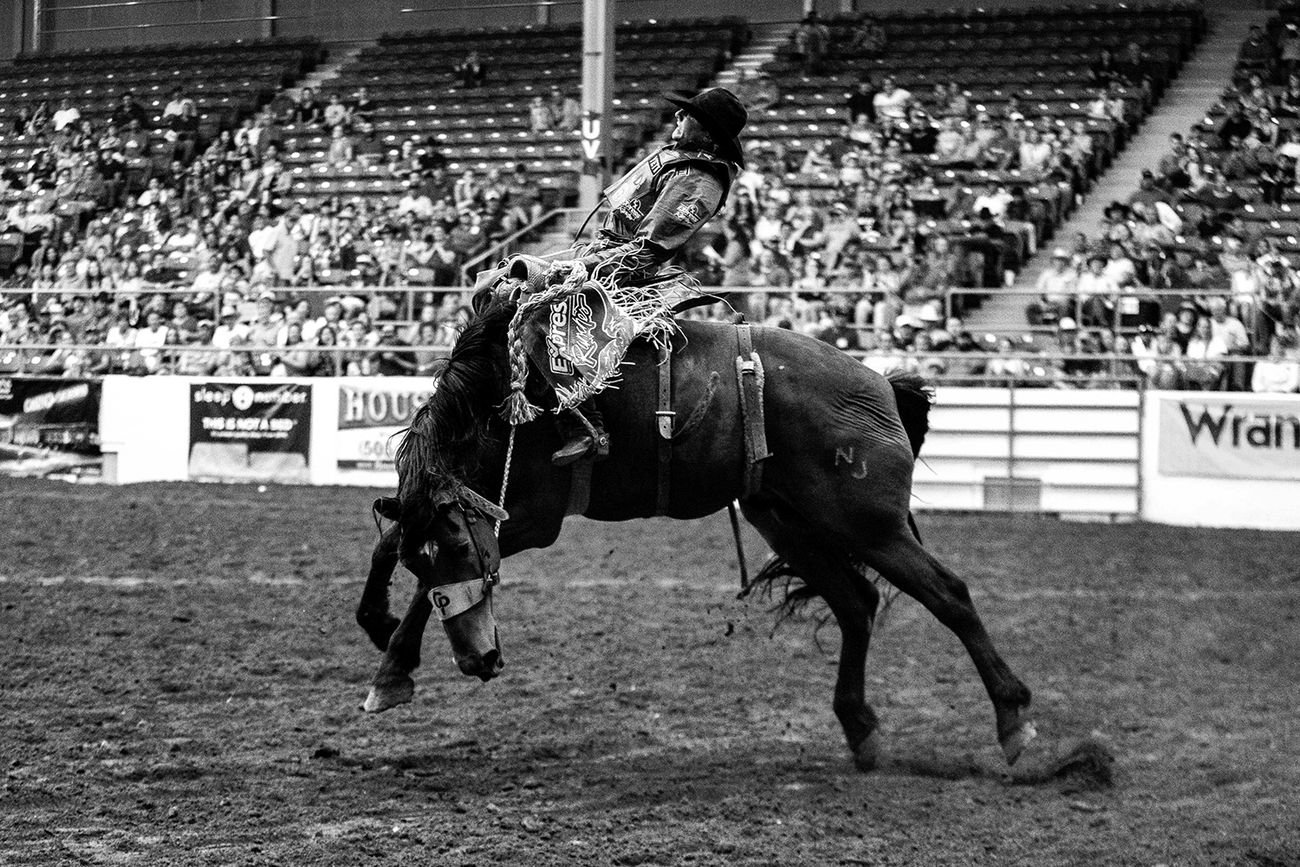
(584, 434)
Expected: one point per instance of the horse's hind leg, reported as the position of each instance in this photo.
(853, 600)
(909, 567)
(372, 611)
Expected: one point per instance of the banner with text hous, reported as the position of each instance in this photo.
(372, 412)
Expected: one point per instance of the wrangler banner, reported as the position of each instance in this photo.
(49, 427)
(250, 432)
(371, 415)
(1230, 435)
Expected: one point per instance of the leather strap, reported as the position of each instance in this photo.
(579, 488)
(664, 416)
(749, 381)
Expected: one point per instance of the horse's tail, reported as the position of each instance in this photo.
(914, 396)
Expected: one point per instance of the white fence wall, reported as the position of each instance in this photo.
(1032, 450)
(1103, 453)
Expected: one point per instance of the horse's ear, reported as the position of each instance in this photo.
(388, 507)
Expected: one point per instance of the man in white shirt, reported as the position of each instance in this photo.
(892, 101)
(992, 199)
(1056, 286)
(230, 327)
(1227, 328)
(1120, 268)
(66, 115)
(414, 200)
(176, 104)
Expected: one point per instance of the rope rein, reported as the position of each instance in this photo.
(505, 479)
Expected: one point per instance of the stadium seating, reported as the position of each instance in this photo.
(417, 94)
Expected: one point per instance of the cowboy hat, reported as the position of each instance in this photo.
(721, 114)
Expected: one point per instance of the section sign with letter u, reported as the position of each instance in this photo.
(371, 415)
(241, 431)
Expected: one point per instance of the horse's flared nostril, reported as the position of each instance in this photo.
(492, 665)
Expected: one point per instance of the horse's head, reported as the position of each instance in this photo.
(464, 568)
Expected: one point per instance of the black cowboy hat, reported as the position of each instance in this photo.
(722, 114)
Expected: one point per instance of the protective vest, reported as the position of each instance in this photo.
(631, 196)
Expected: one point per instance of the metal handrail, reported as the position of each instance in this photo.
(498, 250)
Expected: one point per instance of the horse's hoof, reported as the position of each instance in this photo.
(382, 698)
(867, 755)
(1014, 744)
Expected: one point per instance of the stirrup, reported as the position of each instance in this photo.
(592, 441)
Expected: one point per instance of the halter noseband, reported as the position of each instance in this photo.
(449, 600)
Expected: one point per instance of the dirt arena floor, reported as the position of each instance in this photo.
(181, 676)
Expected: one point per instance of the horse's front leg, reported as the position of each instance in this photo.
(373, 613)
(393, 684)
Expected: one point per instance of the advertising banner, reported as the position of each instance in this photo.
(49, 427)
(250, 431)
(371, 414)
(1230, 435)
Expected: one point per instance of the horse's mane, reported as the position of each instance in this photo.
(449, 433)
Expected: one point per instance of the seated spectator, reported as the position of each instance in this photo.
(1280, 372)
(1257, 51)
(367, 147)
(892, 101)
(296, 357)
(361, 108)
(177, 102)
(1034, 152)
(862, 101)
(1056, 287)
(1203, 367)
(539, 115)
(1147, 192)
(335, 116)
(129, 113)
(341, 151)
(471, 71)
(66, 117)
(198, 361)
(565, 111)
(306, 110)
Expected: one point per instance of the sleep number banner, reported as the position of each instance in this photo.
(241, 431)
(1230, 435)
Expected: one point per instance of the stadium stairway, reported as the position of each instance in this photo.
(1200, 82)
(762, 48)
(338, 56)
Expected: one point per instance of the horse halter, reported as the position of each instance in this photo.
(450, 600)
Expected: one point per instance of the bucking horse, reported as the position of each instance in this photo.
(817, 448)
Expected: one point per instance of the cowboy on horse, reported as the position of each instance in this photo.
(654, 210)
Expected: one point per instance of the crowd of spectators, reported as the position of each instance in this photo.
(157, 246)
(141, 219)
(861, 235)
(1189, 265)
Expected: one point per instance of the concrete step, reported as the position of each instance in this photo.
(337, 58)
